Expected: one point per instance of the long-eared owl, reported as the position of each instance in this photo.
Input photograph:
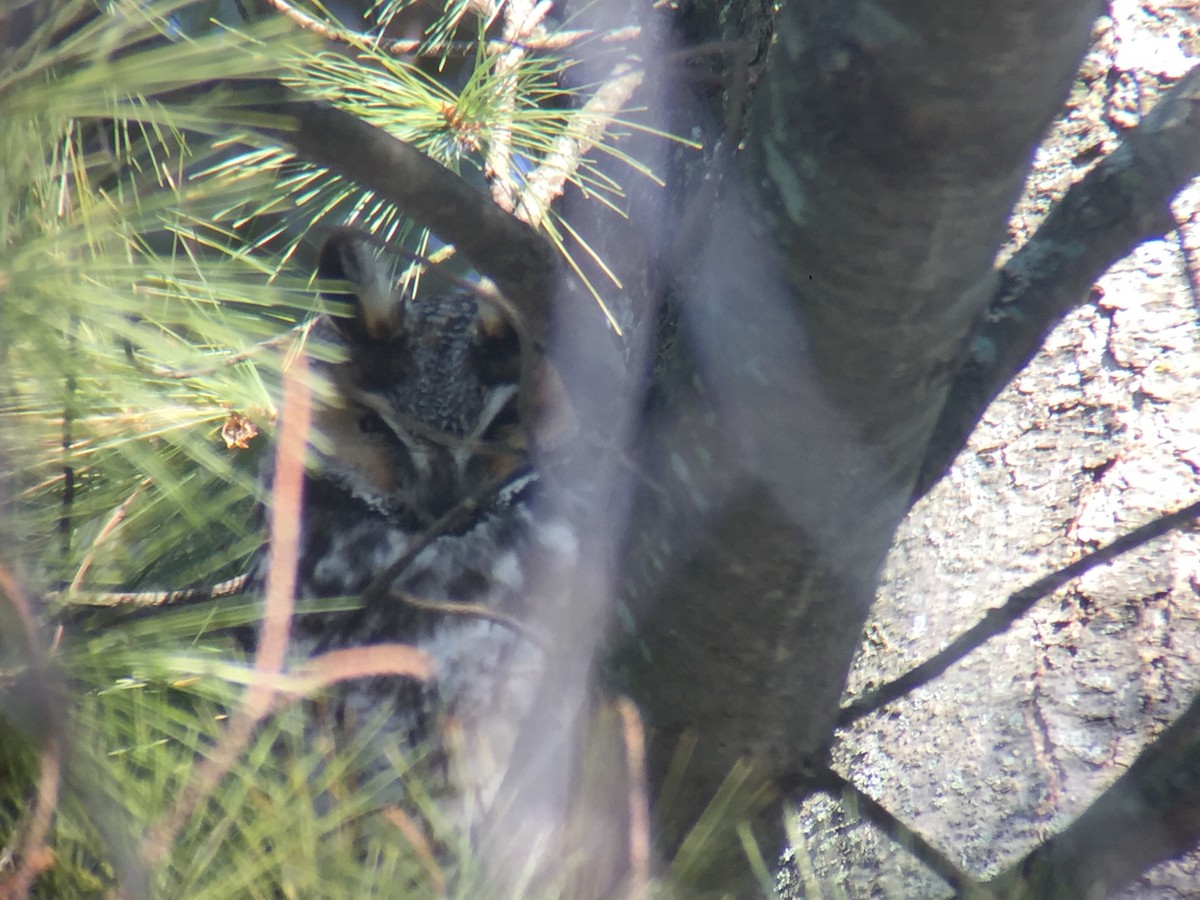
(417, 436)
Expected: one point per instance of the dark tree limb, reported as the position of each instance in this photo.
(841, 788)
(1151, 814)
(1000, 619)
(500, 246)
(1123, 202)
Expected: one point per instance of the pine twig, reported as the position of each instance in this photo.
(546, 183)
(522, 18)
(117, 517)
(558, 40)
(144, 599)
(228, 359)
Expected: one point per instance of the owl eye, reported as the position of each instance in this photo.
(371, 423)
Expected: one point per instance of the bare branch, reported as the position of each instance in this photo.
(117, 517)
(1000, 619)
(366, 661)
(287, 499)
(1122, 202)
(633, 735)
(309, 23)
(875, 812)
(521, 18)
(140, 599)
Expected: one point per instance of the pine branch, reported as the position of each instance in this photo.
(546, 183)
(497, 244)
(539, 40)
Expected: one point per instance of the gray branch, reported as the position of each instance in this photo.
(1123, 202)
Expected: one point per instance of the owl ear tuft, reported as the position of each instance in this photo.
(374, 312)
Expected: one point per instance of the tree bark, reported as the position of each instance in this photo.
(1121, 203)
(829, 302)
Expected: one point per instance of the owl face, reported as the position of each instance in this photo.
(416, 407)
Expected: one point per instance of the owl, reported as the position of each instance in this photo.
(419, 452)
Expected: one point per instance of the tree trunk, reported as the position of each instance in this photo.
(845, 262)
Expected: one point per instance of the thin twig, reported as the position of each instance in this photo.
(474, 611)
(547, 182)
(316, 26)
(1000, 619)
(522, 19)
(287, 499)
(838, 787)
(367, 661)
(140, 599)
(458, 514)
(633, 734)
(420, 845)
(25, 615)
(229, 359)
(117, 517)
